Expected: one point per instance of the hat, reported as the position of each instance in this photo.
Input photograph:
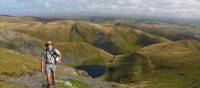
(48, 43)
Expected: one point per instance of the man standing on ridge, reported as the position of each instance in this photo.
(49, 60)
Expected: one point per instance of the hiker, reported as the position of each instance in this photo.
(51, 57)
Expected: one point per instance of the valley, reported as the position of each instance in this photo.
(128, 55)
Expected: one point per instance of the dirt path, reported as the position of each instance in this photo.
(37, 80)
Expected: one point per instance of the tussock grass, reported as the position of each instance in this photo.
(9, 85)
(16, 64)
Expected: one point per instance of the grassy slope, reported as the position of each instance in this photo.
(9, 85)
(169, 64)
(180, 59)
(129, 40)
(83, 53)
(20, 42)
(14, 64)
(174, 64)
(123, 69)
(70, 50)
(113, 39)
(20, 63)
(170, 31)
(79, 50)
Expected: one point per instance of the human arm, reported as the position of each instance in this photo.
(42, 62)
(59, 55)
(42, 65)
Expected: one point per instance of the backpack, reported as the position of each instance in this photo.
(53, 54)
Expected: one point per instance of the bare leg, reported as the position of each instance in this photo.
(49, 79)
(53, 78)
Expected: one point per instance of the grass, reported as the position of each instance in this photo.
(125, 69)
(169, 31)
(75, 84)
(163, 65)
(84, 54)
(4, 84)
(180, 60)
(70, 50)
(16, 64)
(173, 64)
(167, 79)
(20, 42)
(113, 39)
(79, 84)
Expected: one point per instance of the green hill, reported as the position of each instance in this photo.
(20, 42)
(16, 67)
(16, 64)
(164, 65)
(113, 39)
(76, 53)
(171, 31)
(83, 54)
(131, 56)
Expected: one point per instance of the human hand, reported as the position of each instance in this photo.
(42, 70)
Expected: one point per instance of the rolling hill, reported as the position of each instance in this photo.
(171, 31)
(133, 56)
(113, 39)
(71, 50)
(174, 63)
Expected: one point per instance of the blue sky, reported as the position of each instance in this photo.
(59, 8)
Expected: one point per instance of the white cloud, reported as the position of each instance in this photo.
(178, 8)
(47, 5)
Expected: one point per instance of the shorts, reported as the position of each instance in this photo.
(50, 69)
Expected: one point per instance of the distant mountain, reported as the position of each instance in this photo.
(24, 19)
(173, 32)
(6, 15)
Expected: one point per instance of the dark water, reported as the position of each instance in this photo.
(92, 70)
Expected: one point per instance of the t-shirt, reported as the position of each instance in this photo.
(49, 55)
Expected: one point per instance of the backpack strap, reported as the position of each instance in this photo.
(53, 53)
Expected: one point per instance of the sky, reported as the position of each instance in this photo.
(62, 8)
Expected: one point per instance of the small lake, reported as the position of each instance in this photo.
(93, 70)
